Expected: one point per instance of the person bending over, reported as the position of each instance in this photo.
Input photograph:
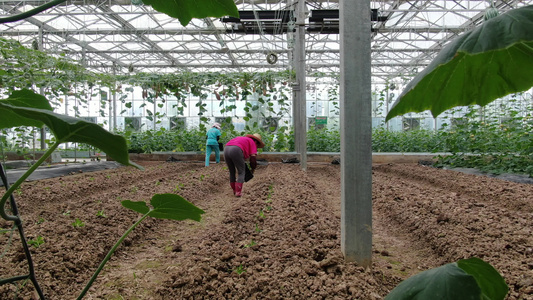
(236, 152)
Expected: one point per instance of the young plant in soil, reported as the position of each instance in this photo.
(38, 241)
(240, 269)
(251, 244)
(78, 223)
(25, 108)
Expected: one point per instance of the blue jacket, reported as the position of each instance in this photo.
(212, 136)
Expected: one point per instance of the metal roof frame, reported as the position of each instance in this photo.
(117, 36)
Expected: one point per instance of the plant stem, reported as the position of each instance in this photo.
(32, 12)
(24, 176)
(108, 256)
(18, 225)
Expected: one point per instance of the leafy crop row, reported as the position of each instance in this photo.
(485, 143)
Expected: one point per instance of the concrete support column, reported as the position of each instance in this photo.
(356, 132)
(300, 128)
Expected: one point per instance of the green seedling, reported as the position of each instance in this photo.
(78, 223)
(257, 229)
(36, 242)
(66, 213)
(134, 190)
(157, 182)
(91, 178)
(270, 191)
(108, 176)
(239, 270)
(101, 213)
(262, 214)
(164, 206)
(40, 220)
(268, 208)
(178, 187)
(251, 244)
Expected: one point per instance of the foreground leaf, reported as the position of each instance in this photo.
(69, 129)
(451, 281)
(174, 207)
(480, 66)
(442, 283)
(22, 98)
(185, 10)
(138, 206)
(166, 206)
(492, 284)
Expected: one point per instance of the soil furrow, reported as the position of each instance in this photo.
(281, 240)
(514, 196)
(457, 225)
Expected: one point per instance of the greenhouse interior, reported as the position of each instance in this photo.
(416, 119)
(140, 72)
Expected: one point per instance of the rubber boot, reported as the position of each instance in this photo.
(238, 189)
(232, 187)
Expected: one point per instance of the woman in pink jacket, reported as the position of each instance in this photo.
(236, 152)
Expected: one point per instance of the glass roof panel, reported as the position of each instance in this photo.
(405, 36)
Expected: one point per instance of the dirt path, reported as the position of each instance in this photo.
(279, 241)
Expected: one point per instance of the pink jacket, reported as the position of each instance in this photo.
(247, 145)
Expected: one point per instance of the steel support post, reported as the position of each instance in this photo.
(300, 128)
(356, 132)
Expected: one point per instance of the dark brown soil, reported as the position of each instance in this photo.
(281, 240)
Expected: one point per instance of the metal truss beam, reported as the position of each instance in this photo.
(115, 34)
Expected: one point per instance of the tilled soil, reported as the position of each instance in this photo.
(280, 240)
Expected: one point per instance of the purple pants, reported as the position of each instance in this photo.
(234, 158)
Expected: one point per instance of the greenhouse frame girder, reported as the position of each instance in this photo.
(116, 36)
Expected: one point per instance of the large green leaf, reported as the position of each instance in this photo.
(492, 284)
(174, 207)
(69, 129)
(467, 279)
(443, 283)
(138, 206)
(167, 206)
(487, 63)
(185, 10)
(22, 98)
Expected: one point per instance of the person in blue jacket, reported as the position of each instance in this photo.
(213, 135)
